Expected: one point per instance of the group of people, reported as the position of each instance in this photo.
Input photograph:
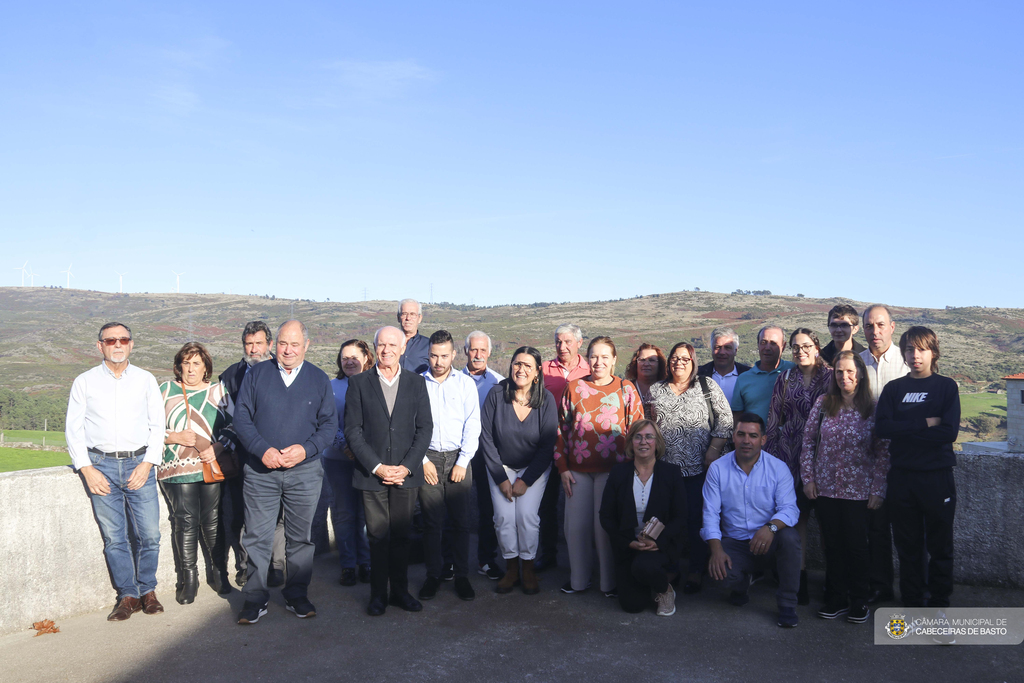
(720, 462)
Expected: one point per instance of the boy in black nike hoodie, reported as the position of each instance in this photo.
(920, 413)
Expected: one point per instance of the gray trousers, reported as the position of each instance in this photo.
(454, 498)
(784, 551)
(294, 493)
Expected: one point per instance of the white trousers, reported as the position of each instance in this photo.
(583, 531)
(517, 524)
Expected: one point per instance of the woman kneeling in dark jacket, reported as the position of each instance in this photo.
(637, 491)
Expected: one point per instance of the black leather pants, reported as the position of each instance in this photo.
(195, 512)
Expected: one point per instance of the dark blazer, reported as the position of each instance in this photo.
(377, 438)
(667, 503)
(233, 376)
(708, 369)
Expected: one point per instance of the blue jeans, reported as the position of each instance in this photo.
(133, 569)
(347, 514)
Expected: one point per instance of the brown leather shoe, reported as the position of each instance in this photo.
(126, 607)
(150, 605)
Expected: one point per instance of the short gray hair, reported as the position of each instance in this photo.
(473, 335)
(760, 333)
(720, 332)
(403, 302)
(302, 326)
(376, 334)
(873, 307)
(569, 328)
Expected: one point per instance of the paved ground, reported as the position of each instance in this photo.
(547, 637)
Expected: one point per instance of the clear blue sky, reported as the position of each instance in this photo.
(517, 152)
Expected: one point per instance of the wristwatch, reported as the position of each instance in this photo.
(774, 529)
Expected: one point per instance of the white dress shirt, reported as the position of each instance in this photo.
(112, 414)
(455, 409)
(641, 497)
(889, 366)
(289, 377)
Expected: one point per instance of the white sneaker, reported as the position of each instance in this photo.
(666, 602)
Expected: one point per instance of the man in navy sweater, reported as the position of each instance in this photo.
(285, 417)
(920, 413)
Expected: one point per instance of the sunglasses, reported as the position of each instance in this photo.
(110, 341)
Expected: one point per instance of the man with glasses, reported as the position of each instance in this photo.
(724, 369)
(843, 323)
(115, 435)
(753, 392)
(417, 347)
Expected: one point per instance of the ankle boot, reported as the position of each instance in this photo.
(511, 577)
(802, 598)
(190, 587)
(531, 586)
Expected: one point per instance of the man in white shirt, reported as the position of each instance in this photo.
(884, 363)
(115, 435)
(455, 412)
(478, 352)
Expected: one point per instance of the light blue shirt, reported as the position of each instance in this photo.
(484, 382)
(753, 390)
(455, 409)
(736, 504)
(337, 449)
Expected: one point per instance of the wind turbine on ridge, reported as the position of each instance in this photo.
(120, 282)
(177, 281)
(32, 278)
(22, 269)
(69, 274)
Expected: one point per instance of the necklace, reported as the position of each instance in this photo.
(517, 401)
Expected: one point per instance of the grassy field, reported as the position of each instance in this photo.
(976, 405)
(15, 459)
(26, 436)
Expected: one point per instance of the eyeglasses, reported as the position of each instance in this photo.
(645, 437)
(839, 326)
(523, 366)
(802, 348)
(679, 360)
(111, 341)
(408, 315)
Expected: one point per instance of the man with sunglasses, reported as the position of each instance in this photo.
(115, 435)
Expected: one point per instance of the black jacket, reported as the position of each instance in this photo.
(377, 438)
(667, 503)
(708, 369)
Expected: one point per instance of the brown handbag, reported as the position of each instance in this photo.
(224, 466)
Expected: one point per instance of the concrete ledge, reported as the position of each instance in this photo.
(53, 552)
(54, 564)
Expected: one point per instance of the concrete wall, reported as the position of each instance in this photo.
(54, 566)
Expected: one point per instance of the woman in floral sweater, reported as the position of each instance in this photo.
(594, 414)
(844, 465)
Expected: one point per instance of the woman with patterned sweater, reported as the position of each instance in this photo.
(594, 414)
(843, 466)
(197, 432)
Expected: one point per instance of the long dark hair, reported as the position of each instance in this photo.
(536, 391)
(632, 371)
(862, 400)
(362, 346)
(818, 361)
